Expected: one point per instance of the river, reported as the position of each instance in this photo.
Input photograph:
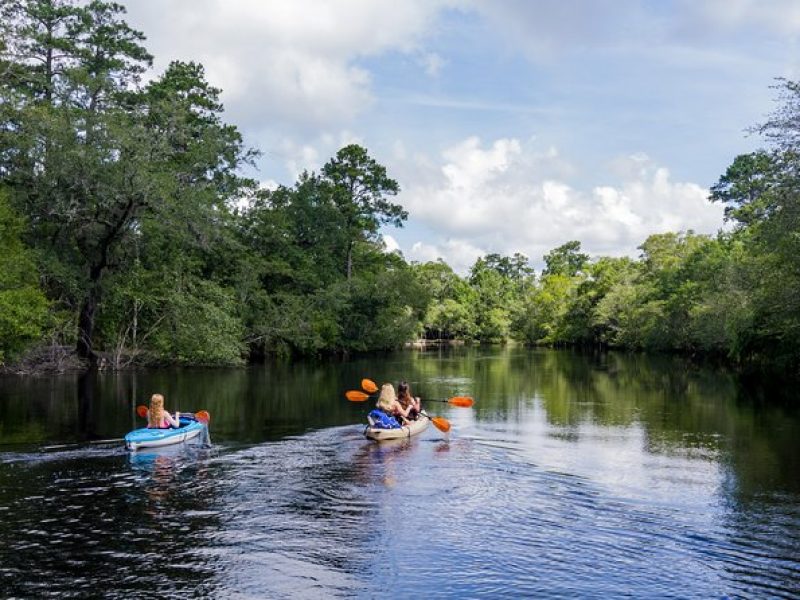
(573, 475)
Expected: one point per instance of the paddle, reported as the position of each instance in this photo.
(440, 423)
(201, 416)
(369, 386)
(462, 401)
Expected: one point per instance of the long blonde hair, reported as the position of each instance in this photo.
(155, 415)
(387, 398)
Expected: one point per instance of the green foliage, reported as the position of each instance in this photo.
(302, 244)
(450, 319)
(374, 318)
(451, 309)
(200, 326)
(23, 306)
(542, 319)
(764, 197)
(499, 284)
(98, 163)
(567, 260)
(582, 325)
(358, 189)
(744, 187)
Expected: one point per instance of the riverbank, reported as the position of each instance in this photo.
(46, 360)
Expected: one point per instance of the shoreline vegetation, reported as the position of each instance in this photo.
(123, 241)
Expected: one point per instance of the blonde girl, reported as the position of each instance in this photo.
(157, 417)
(387, 402)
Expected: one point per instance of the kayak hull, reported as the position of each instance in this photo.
(415, 427)
(156, 438)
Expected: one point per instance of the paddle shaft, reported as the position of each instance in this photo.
(200, 416)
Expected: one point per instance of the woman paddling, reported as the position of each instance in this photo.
(387, 402)
(157, 417)
(407, 401)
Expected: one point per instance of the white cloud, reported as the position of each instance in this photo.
(310, 156)
(508, 197)
(285, 62)
(777, 16)
(459, 254)
(545, 29)
(269, 185)
(390, 243)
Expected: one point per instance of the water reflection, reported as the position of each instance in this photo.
(573, 475)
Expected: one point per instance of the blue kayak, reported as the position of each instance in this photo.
(154, 438)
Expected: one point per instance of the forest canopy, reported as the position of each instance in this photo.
(122, 236)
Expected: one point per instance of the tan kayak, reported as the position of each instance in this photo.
(415, 427)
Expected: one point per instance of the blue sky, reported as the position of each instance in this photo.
(511, 125)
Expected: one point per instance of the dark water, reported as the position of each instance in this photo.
(572, 476)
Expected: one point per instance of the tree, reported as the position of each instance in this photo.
(451, 310)
(567, 260)
(449, 319)
(782, 128)
(359, 190)
(97, 162)
(580, 325)
(499, 283)
(763, 191)
(73, 166)
(744, 187)
(539, 318)
(296, 233)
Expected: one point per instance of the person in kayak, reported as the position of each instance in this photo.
(157, 417)
(387, 402)
(408, 401)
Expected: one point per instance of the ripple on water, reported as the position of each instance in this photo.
(495, 511)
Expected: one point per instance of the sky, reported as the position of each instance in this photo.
(510, 125)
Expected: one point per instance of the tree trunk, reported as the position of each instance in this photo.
(349, 261)
(92, 298)
(86, 324)
(48, 90)
(87, 314)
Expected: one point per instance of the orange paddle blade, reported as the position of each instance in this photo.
(203, 416)
(141, 411)
(464, 401)
(369, 386)
(441, 423)
(356, 396)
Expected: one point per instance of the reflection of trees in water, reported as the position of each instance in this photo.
(86, 405)
(684, 410)
(37, 409)
(681, 407)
